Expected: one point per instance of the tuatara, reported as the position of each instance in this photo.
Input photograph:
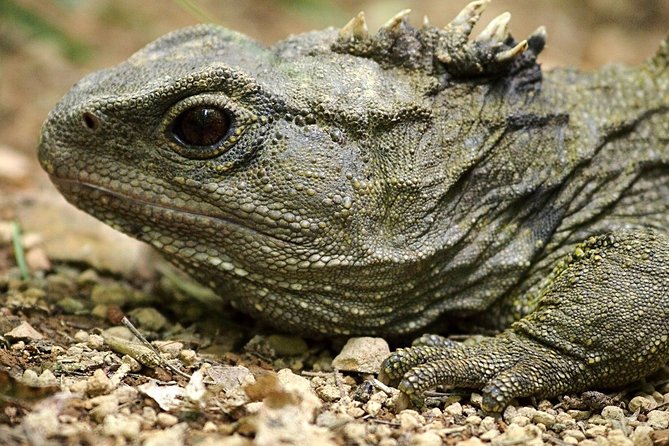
(343, 182)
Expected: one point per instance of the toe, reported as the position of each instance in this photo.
(395, 366)
(472, 372)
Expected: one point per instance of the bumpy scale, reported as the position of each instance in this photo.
(343, 182)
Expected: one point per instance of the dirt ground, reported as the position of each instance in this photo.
(70, 370)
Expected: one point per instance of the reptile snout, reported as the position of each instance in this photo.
(69, 129)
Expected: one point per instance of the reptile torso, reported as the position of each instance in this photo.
(342, 182)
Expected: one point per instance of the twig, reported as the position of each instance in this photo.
(316, 374)
(389, 423)
(379, 385)
(144, 354)
(339, 383)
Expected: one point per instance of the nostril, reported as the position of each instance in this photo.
(91, 121)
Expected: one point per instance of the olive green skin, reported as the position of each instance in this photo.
(370, 189)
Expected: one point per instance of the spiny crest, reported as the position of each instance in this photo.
(448, 49)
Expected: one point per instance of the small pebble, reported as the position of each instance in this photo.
(476, 399)
(528, 412)
(373, 407)
(105, 405)
(149, 318)
(111, 294)
(78, 386)
(509, 413)
(426, 439)
(565, 419)
(120, 332)
(454, 410)
(209, 426)
(95, 342)
(544, 418)
(70, 305)
(410, 419)
(520, 420)
(30, 378)
(24, 331)
(126, 394)
(617, 437)
(658, 419)
(47, 378)
(176, 435)
(38, 260)
(99, 383)
(117, 425)
(642, 436)
(100, 311)
(613, 413)
(355, 412)
(328, 392)
(88, 277)
(594, 431)
(355, 433)
(363, 355)
(490, 434)
(642, 403)
(487, 423)
(514, 434)
(473, 420)
(574, 433)
(81, 336)
(473, 441)
(579, 415)
(165, 419)
(149, 416)
(187, 357)
(172, 348)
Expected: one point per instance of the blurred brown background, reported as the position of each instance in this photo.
(45, 46)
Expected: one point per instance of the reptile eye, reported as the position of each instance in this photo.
(201, 126)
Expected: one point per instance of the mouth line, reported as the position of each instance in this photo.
(143, 202)
(72, 182)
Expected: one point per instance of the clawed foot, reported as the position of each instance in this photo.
(504, 367)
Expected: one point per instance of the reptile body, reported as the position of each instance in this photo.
(348, 183)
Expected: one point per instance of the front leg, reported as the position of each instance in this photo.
(602, 321)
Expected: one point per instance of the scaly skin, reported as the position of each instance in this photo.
(346, 183)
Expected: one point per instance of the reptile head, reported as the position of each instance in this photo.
(303, 180)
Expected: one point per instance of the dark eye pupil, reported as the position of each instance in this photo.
(201, 126)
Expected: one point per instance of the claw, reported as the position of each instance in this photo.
(497, 30)
(393, 24)
(467, 18)
(355, 29)
(512, 53)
